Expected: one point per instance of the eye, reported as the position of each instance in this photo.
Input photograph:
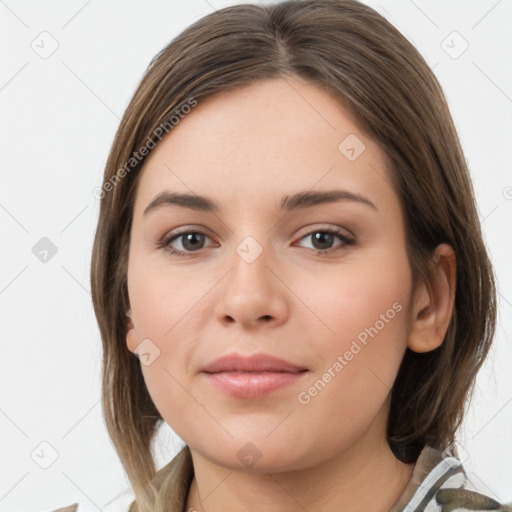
(323, 239)
(191, 241)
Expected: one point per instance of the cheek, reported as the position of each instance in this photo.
(168, 309)
(359, 365)
(361, 335)
(162, 297)
(364, 299)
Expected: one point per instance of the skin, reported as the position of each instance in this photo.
(246, 149)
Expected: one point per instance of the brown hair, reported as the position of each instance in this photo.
(351, 51)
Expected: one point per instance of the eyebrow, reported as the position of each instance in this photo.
(296, 201)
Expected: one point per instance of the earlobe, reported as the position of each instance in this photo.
(131, 335)
(433, 303)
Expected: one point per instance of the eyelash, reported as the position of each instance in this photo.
(164, 243)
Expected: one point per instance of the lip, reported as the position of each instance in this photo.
(252, 376)
(255, 363)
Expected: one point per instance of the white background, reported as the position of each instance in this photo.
(58, 119)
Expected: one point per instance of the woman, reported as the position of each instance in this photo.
(288, 244)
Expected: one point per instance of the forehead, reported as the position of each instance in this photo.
(263, 140)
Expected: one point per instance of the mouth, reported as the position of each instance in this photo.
(252, 376)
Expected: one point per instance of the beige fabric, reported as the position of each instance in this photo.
(69, 508)
(178, 474)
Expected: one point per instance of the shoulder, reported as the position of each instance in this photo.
(69, 508)
(441, 484)
(465, 499)
(172, 482)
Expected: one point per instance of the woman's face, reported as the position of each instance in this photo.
(260, 274)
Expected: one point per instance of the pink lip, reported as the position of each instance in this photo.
(253, 376)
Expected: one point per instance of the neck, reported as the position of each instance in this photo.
(366, 476)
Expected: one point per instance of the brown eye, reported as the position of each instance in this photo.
(190, 241)
(323, 239)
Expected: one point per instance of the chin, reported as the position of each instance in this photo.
(258, 455)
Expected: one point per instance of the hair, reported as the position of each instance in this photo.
(352, 52)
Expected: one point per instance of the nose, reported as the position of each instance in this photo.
(252, 295)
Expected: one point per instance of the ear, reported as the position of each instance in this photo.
(433, 303)
(131, 335)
